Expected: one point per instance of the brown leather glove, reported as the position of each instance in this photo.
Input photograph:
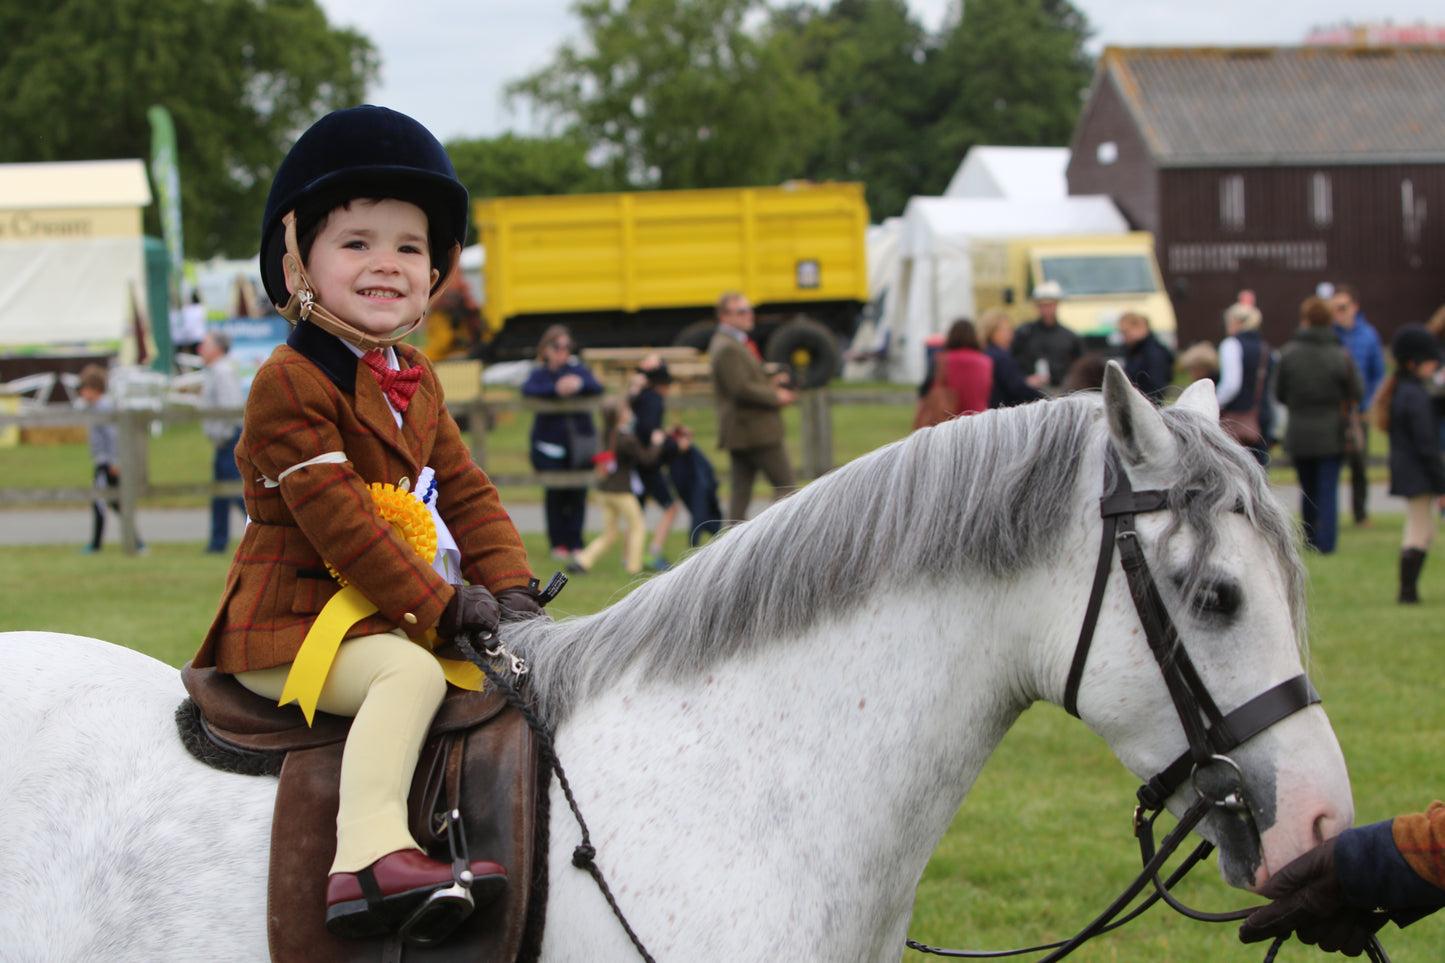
(520, 602)
(472, 609)
(1309, 901)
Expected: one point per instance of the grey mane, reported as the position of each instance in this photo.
(988, 495)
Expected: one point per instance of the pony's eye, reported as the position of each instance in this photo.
(1218, 598)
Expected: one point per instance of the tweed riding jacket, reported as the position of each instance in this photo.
(748, 413)
(318, 432)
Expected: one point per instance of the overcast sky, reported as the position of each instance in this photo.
(446, 61)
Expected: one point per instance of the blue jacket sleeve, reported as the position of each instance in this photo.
(1374, 875)
(540, 383)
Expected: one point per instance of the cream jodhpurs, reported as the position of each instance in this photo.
(1419, 522)
(392, 687)
(616, 505)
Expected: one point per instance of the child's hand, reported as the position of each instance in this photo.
(518, 603)
(569, 384)
(472, 609)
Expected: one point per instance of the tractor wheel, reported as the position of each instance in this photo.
(696, 335)
(809, 348)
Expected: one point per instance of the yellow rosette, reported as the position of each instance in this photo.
(413, 522)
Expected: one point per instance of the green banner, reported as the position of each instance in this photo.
(167, 178)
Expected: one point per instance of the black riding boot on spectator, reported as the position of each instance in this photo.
(1411, 561)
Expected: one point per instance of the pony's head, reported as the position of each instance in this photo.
(1225, 559)
(986, 530)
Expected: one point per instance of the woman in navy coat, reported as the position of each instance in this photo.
(1404, 409)
(562, 442)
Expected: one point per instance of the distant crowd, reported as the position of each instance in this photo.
(1317, 396)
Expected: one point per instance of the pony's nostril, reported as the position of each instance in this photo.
(1328, 825)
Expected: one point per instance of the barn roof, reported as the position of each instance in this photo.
(1282, 106)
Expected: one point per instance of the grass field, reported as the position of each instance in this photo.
(1043, 841)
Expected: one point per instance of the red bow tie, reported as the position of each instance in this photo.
(398, 386)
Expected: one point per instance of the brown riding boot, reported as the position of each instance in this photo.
(1411, 561)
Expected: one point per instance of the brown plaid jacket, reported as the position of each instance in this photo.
(1420, 838)
(313, 397)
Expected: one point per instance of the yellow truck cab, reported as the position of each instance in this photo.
(1103, 276)
(645, 268)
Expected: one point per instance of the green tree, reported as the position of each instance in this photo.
(868, 59)
(682, 93)
(1009, 72)
(512, 166)
(241, 79)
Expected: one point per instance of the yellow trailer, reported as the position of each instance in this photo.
(645, 268)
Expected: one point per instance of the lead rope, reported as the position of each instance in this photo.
(585, 855)
(1153, 861)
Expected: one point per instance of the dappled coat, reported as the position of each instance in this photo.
(311, 398)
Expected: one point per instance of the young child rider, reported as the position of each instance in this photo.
(363, 228)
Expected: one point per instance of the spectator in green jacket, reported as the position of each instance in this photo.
(1318, 382)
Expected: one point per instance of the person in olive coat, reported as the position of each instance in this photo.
(1317, 382)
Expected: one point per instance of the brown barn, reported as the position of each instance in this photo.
(1276, 169)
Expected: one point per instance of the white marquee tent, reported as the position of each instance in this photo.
(1019, 172)
(71, 250)
(931, 279)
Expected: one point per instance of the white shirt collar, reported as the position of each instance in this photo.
(389, 353)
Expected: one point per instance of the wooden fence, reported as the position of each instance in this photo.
(134, 426)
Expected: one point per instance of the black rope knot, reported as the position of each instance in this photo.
(583, 856)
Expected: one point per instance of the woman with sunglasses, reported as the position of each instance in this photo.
(562, 442)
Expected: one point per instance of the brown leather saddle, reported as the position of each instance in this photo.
(480, 758)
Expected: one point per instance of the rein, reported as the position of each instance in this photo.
(585, 855)
(1212, 735)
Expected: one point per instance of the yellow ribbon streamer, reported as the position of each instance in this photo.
(463, 675)
(318, 649)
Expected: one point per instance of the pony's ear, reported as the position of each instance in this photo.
(1136, 427)
(1200, 397)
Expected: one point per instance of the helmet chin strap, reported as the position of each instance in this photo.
(303, 306)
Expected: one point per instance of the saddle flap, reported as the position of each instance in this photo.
(493, 773)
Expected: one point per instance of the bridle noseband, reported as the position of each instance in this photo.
(1211, 734)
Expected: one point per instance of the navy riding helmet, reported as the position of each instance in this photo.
(363, 152)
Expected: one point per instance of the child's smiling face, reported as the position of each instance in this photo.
(371, 264)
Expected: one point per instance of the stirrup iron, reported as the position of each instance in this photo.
(446, 908)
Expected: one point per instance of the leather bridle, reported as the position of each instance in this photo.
(1211, 734)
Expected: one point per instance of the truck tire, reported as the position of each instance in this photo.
(696, 335)
(809, 348)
